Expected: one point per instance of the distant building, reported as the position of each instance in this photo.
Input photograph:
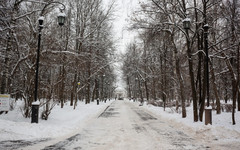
(120, 93)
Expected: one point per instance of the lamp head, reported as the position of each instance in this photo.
(61, 18)
(186, 23)
(40, 20)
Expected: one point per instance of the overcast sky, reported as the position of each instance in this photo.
(123, 11)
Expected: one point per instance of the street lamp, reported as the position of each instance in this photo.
(208, 110)
(35, 105)
(61, 18)
(205, 28)
(186, 23)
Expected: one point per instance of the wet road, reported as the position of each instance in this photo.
(126, 126)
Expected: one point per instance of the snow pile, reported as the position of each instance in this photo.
(61, 122)
(221, 129)
(222, 120)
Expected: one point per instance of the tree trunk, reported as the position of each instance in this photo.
(94, 90)
(182, 94)
(190, 66)
(140, 90)
(73, 88)
(202, 100)
(75, 92)
(215, 90)
(154, 88)
(145, 72)
(71, 100)
(62, 87)
(234, 86)
(194, 93)
(5, 77)
(180, 79)
(238, 100)
(87, 101)
(162, 84)
(97, 88)
(129, 87)
(238, 72)
(235, 80)
(146, 88)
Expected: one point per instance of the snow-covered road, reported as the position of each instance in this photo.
(125, 126)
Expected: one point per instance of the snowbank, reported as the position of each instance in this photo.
(221, 129)
(61, 122)
(222, 120)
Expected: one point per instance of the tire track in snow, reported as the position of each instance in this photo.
(178, 139)
(14, 144)
(123, 125)
(110, 111)
(60, 145)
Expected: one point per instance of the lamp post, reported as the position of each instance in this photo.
(61, 20)
(208, 109)
(35, 105)
(205, 28)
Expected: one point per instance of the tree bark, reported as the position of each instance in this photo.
(238, 71)
(194, 93)
(218, 109)
(180, 79)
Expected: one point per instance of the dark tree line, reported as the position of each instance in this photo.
(168, 62)
(75, 59)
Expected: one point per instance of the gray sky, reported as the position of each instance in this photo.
(124, 10)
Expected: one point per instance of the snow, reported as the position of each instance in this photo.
(13, 126)
(36, 102)
(223, 120)
(41, 18)
(221, 128)
(64, 122)
(186, 20)
(62, 14)
(206, 25)
(208, 107)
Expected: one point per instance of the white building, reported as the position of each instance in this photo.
(120, 93)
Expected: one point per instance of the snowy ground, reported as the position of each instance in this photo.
(221, 133)
(14, 128)
(126, 126)
(123, 125)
